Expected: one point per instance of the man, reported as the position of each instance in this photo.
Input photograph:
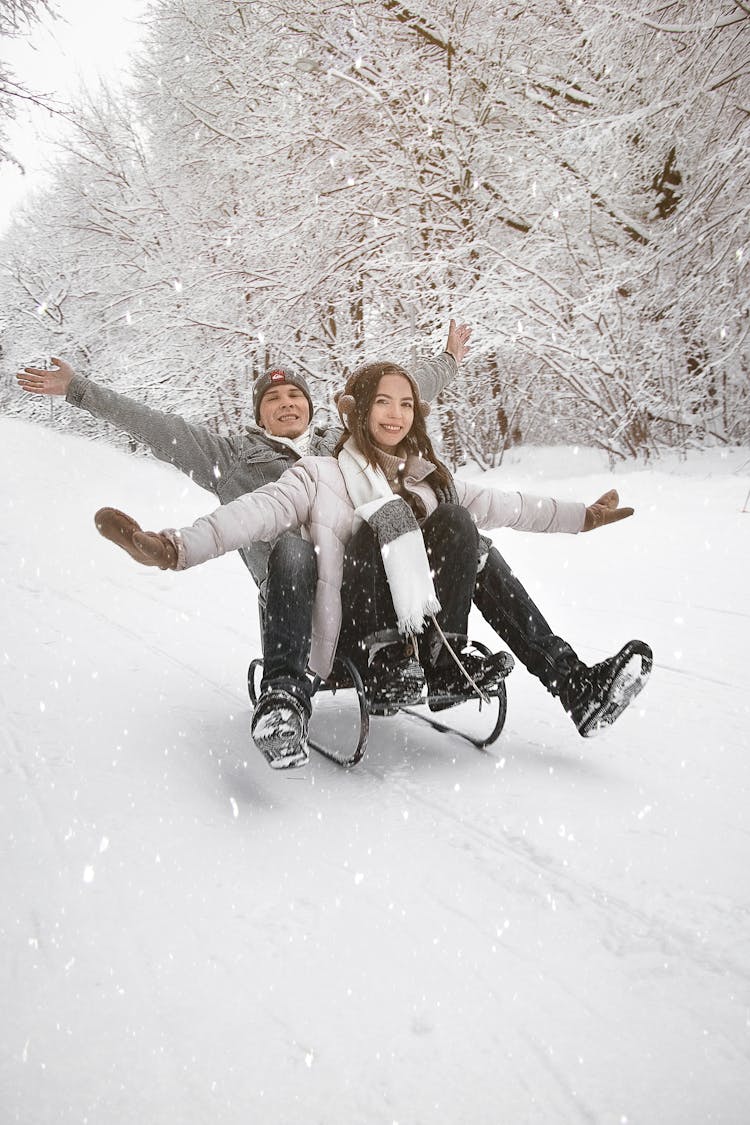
(286, 572)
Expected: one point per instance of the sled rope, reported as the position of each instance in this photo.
(464, 673)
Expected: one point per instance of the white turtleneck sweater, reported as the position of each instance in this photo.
(300, 445)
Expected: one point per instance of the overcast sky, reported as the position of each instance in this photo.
(89, 40)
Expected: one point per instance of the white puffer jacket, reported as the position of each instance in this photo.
(312, 496)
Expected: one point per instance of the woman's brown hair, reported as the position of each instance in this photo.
(362, 386)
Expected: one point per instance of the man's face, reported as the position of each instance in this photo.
(284, 411)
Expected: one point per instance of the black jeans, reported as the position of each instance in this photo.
(287, 617)
(451, 540)
(500, 597)
(507, 607)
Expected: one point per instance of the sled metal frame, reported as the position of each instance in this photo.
(346, 675)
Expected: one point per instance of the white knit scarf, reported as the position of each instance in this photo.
(402, 548)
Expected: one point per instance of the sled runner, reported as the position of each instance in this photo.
(345, 701)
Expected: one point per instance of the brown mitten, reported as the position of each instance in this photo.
(147, 547)
(605, 510)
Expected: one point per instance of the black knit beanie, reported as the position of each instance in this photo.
(273, 378)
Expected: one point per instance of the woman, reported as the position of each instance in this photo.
(395, 537)
(415, 553)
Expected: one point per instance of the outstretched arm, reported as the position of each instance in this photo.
(433, 375)
(262, 515)
(492, 508)
(605, 510)
(204, 456)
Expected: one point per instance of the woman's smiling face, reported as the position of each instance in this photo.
(392, 412)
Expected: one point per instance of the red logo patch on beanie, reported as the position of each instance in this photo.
(277, 376)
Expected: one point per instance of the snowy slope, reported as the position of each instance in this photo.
(552, 932)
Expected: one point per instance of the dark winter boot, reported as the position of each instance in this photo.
(394, 677)
(448, 684)
(279, 730)
(594, 697)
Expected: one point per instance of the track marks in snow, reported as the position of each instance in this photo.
(626, 928)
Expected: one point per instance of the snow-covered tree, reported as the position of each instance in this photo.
(17, 18)
(315, 182)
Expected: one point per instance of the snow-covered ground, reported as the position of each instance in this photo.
(555, 931)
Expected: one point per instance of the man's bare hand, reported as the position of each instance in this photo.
(37, 381)
(458, 340)
(604, 511)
